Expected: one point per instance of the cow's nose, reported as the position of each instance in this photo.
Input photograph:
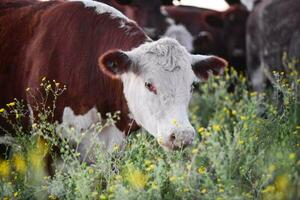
(181, 138)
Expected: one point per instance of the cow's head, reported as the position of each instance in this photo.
(157, 79)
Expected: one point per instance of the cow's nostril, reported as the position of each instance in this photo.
(172, 137)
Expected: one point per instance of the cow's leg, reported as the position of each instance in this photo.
(79, 130)
(108, 140)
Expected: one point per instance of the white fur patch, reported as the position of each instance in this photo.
(181, 34)
(102, 8)
(80, 130)
(249, 4)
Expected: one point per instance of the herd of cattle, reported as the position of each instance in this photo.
(123, 59)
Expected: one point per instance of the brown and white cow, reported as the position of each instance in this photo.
(107, 63)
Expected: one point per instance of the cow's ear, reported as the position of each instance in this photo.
(114, 63)
(204, 66)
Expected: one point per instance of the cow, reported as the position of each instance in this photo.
(107, 63)
(214, 32)
(272, 30)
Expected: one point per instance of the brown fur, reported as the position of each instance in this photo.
(63, 41)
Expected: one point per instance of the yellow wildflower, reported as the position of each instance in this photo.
(202, 170)
(189, 166)
(90, 170)
(225, 110)
(137, 178)
(103, 197)
(243, 118)
(94, 194)
(116, 147)
(201, 130)
(150, 168)
(118, 177)
(292, 156)
(221, 190)
(241, 142)
(2, 110)
(16, 194)
(269, 189)
(4, 168)
(282, 183)
(216, 127)
(147, 162)
(173, 178)
(11, 104)
(52, 197)
(271, 168)
(154, 186)
(19, 163)
(203, 191)
(233, 112)
(48, 87)
(194, 151)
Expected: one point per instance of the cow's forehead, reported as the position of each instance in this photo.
(165, 54)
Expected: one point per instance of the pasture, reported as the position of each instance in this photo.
(247, 147)
(147, 100)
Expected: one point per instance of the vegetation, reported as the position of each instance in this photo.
(247, 147)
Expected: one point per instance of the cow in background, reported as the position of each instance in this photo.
(214, 32)
(272, 30)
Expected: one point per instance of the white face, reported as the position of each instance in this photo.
(157, 88)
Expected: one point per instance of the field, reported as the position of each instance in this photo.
(247, 147)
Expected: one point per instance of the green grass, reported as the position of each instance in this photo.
(247, 147)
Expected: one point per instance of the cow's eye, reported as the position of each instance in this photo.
(150, 87)
(192, 88)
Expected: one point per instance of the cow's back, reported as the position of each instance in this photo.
(63, 41)
(18, 19)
